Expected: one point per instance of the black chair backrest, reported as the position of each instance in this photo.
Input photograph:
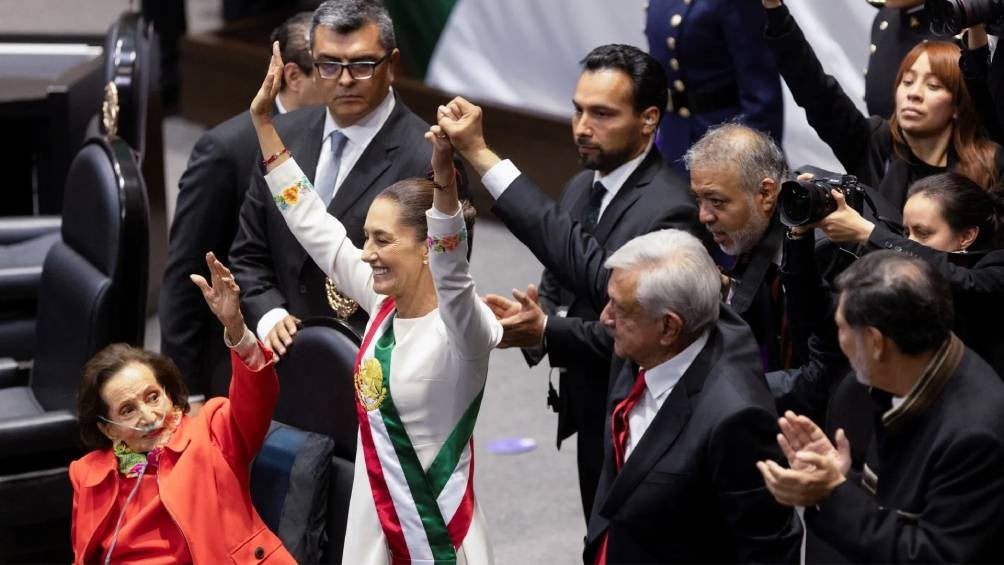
(316, 387)
(93, 285)
(129, 46)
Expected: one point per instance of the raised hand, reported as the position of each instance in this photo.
(444, 174)
(264, 100)
(522, 320)
(800, 434)
(222, 297)
(462, 123)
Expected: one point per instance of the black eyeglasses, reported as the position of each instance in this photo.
(359, 70)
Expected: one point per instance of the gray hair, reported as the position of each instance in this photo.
(676, 274)
(753, 153)
(347, 16)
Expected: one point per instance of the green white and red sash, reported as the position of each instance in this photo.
(424, 513)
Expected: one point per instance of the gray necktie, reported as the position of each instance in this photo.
(326, 187)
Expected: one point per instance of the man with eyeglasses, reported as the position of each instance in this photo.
(210, 194)
(364, 140)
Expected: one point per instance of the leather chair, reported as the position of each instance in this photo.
(316, 394)
(91, 294)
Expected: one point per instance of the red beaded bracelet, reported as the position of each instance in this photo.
(266, 162)
(443, 186)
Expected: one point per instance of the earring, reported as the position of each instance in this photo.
(425, 261)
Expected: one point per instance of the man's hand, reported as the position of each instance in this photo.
(522, 320)
(808, 487)
(770, 4)
(223, 297)
(281, 335)
(800, 434)
(462, 123)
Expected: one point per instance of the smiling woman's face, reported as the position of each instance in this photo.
(135, 400)
(393, 250)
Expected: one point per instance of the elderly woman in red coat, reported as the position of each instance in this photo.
(162, 486)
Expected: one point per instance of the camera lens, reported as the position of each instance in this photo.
(804, 202)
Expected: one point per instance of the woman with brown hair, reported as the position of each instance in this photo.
(422, 366)
(162, 486)
(934, 128)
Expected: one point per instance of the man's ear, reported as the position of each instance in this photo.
(649, 120)
(877, 343)
(291, 75)
(672, 328)
(767, 192)
(391, 63)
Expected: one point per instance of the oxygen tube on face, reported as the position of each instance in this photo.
(142, 429)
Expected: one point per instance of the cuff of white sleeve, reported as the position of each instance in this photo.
(443, 224)
(268, 321)
(499, 177)
(282, 176)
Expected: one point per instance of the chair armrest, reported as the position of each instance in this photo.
(21, 228)
(11, 374)
(48, 432)
(18, 283)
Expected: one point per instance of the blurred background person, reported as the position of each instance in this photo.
(718, 68)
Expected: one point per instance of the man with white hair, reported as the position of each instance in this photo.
(689, 411)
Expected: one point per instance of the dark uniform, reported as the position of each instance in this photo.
(718, 67)
(895, 32)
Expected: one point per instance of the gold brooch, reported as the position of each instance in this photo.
(369, 384)
(342, 305)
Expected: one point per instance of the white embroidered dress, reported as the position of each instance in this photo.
(440, 363)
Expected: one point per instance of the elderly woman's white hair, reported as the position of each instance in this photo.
(676, 274)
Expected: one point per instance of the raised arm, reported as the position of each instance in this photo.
(471, 327)
(321, 235)
(830, 112)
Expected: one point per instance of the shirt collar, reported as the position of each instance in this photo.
(278, 104)
(660, 379)
(363, 131)
(615, 179)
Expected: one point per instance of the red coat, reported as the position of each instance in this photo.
(203, 478)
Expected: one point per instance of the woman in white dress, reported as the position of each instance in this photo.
(422, 366)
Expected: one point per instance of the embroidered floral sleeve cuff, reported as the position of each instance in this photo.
(288, 184)
(446, 233)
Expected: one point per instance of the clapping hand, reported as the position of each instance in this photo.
(522, 319)
(222, 297)
(817, 467)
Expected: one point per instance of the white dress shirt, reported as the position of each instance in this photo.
(359, 135)
(659, 382)
(499, 177)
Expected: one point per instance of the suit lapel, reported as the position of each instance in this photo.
(371, 164)
(664, 430)
(628, 194)
(308, 146)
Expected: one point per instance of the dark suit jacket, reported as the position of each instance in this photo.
(270, 266)
(652, 198)
(713, 428)
(940, 487)
(210, 194)
(690, 491)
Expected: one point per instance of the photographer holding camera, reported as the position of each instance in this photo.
(958, 227)
(934, 128)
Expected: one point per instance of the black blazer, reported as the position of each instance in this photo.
(652, 198)
(940, 487)
(210, 194)
(270, 266)
(690, 491)
(729, 423)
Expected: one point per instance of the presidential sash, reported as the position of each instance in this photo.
(424, 513)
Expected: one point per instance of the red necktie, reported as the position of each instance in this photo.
(619, 423)
(620, 427)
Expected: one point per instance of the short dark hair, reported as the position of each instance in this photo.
(965, 204)
(648, 80)
(904, 297)
(413, 197)
(292, 36)
(347, 16)
(102, 367)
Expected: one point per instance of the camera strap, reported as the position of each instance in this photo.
(745, 288)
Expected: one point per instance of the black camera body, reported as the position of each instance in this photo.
(804, 202)
(950, 17)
